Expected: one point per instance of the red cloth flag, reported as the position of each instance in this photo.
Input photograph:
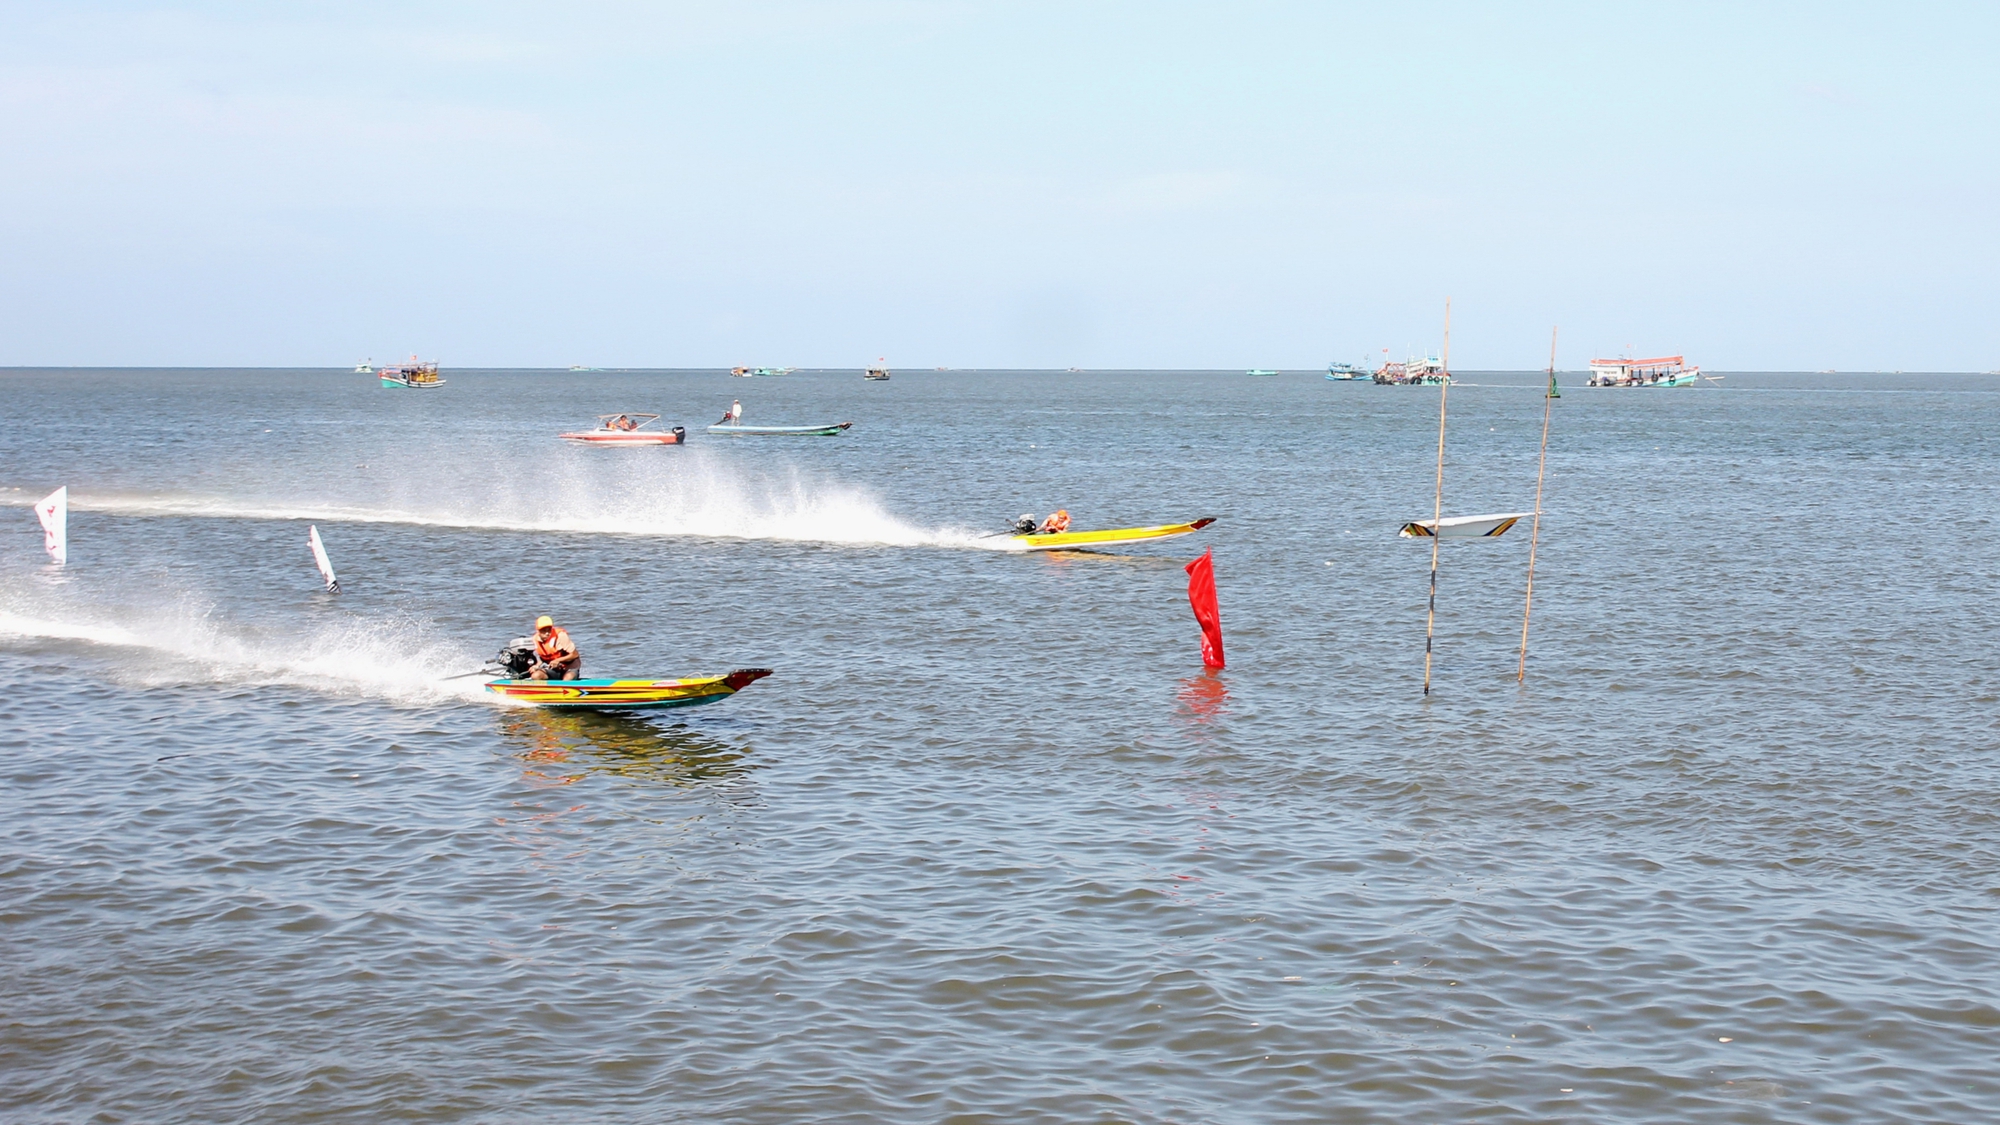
(1201, 595)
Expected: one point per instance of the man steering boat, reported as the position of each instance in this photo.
(556, 656)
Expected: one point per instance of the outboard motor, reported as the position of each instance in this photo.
(680, 435)
(1026, 525)
(516, 658)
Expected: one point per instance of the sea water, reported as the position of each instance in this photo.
(990, 844)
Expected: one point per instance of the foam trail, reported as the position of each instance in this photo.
(692, 501)
(399, 661)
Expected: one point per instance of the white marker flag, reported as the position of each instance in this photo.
(54, 511)
(319, 556)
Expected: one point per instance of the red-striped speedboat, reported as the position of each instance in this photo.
(628, 429)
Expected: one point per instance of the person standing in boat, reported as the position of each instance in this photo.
(733, 415)
(556, 657)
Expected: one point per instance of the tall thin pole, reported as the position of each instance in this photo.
(1437, 508)
(1535, 534)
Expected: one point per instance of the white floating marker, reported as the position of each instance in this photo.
(54, 512)
(319, 557)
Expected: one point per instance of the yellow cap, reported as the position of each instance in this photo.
(544, 621)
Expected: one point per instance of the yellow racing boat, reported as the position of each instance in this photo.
(1113, 537)
(626, 695)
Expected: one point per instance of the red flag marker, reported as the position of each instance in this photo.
(1201, 595)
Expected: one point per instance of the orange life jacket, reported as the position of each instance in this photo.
(1057, 522)
(556, 644)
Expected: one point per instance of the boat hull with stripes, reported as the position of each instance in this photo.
(625, 695)
(828, 430)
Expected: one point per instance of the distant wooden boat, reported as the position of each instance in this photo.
(1259, 371)
(878, 373)
(414, 375)
(1463, 527)
(1346, 372)
(1426, 372)
(365, 367)
(1660, 371)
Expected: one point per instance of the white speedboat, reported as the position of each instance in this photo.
(1464, 527)
(627, 429)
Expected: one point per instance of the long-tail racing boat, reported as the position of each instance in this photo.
(626, 695)
(1113, 537)
(1660, 371)
(827, 430)
(416, 375)
(628, 429)
(1463, 527)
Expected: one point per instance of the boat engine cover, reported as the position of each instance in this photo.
(517, 657)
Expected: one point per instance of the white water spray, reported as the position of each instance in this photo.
(693, 500)
(397, 659)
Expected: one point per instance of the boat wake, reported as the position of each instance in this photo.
(401, 661)
(689, 502)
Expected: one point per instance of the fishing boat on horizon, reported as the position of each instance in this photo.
(1260, 371)
(1347, 372)
(878, 373)
(1426, 372)
(1660, 371)
(413, 375)
(365, 367)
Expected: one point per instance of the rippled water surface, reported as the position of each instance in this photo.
(989, 845)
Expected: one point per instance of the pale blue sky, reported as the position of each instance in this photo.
(1764, 186)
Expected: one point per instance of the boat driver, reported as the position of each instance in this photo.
(1058, 521)
(556, 657)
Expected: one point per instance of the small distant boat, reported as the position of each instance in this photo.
(1426, 372)
(628, 429)
(1076, 540)
(1463, 527)
(1259, 371)
(740, 372)
(581, 367)
(828, 430)
(1660, 371)
(415, 375)
(365, 367)
(878, 373)
(1347, 371)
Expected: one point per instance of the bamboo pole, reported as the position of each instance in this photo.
(1535, 534)
(1437, 507)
